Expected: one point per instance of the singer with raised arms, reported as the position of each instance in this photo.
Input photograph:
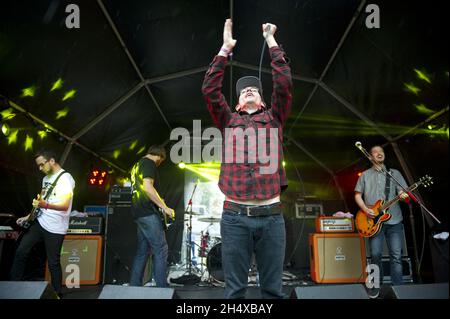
(372, 186)
(252, 220)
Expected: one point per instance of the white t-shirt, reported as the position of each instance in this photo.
(55, 221)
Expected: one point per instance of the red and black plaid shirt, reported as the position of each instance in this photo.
(243, 181)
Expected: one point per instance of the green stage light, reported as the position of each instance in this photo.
(410, 87)
(28, 145)
(57, 85)
(42, 134)
(69, 94)
(116, 154)
(12, 138)
(62, 113)
(421, 108)
(181, 165)
(5, 129)
(133, 145)
(141, 150)
(29, 91)
(7, 114)
(422, 75)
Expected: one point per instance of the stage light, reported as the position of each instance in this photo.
(69, 94)
(141, 150)
(359, 173)
(97, 177)
(182, 165)
(12, 138)
(29, 91)
(62, 113)
(42, 134)
(422, 75)
(283, 163)
(116, 154)
(57, 85)
(410, 87)
(28, 145)
(5, 129)
(7, 114)
(133, 145)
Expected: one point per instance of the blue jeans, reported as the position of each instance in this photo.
(394, 239)
(151, 240)
(243, 235)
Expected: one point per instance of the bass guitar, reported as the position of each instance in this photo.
(368, 227)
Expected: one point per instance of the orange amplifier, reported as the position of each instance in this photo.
(329, 224)
(85, 252)
(337, 258)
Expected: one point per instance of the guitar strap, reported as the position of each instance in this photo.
(387, 188)
(50, 189)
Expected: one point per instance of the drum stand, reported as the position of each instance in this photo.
(189, 275)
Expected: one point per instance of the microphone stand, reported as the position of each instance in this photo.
(188, 210)
(414, 198)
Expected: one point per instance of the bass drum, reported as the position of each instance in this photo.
(214, 263)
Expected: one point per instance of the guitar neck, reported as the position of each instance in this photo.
(397, 198)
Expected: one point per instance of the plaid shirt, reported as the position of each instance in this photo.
(243, 180)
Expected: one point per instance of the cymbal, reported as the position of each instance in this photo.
(192, 213)
(209, 219)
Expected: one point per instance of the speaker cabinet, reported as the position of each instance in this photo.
(352, 291)
(120, 245)
(26, 290)
(297, 232)
(127, 292)
(85, 251)
(428, 291)
(337, 258)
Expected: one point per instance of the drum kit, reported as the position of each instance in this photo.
(208, 250)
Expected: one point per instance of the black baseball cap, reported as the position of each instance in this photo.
(247, 81)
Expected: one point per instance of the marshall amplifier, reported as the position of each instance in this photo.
(120, 195)
(85, 226)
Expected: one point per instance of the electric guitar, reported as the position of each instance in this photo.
(30, 220)
(33, 214)
(166, 220)
(368, 227)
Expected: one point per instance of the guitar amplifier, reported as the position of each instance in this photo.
(329, 224)
(120, 195)
(337, 258)
(84, 252)
(85, 225)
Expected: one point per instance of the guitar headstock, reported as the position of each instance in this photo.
(426, 181)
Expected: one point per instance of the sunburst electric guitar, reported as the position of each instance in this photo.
(368, 227)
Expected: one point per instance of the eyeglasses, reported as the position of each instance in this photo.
(42, 164)
(253, 90)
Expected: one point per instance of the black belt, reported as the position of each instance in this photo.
(264, 210)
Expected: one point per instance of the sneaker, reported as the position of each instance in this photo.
(373, 293)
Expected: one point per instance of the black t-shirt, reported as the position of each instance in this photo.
(142, 205)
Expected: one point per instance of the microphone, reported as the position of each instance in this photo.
(358, 145)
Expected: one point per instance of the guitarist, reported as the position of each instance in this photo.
(51, 219)
(373, 185)
(150, 213)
